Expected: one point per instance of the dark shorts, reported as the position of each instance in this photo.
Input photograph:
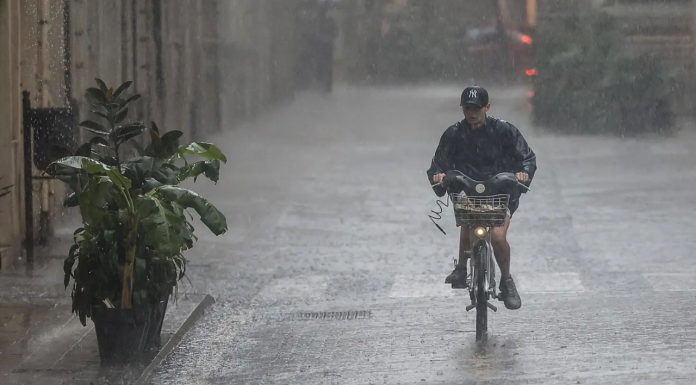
(514, 204)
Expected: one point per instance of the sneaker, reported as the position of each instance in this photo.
(509, 295)
(458, 277)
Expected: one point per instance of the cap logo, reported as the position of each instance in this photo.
(472, 94)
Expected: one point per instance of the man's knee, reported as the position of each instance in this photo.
(499, 239)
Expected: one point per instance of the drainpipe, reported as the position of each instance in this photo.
(28, 182)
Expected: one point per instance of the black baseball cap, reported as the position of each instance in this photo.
(475, 95)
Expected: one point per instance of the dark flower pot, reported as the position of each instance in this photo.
(154, 335)
(121, 333)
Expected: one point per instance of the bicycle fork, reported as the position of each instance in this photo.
(482, 249)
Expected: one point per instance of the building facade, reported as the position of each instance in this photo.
(200, 65)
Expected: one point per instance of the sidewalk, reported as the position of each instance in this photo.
(42, 342)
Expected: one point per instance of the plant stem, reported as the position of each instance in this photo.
(127, 293)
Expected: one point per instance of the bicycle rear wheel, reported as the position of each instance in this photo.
(480, 271)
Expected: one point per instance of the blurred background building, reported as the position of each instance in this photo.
(203, 66)
(200, 65)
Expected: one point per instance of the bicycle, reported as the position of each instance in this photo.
(480, 206)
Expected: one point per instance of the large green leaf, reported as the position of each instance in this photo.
(210, 215)
(102, 143)
(109, 160)
(121, 115)
(122, 89)
(103, 115)
(94, 127)
(206, 150)
(57, 151)
(170, 144)
(129, 100)
(142, 166)
(150, 184)
(161, 226)
(93, 167)
(138, 148)
(75, 178)
(102, 85)
(166, 174)
(138, 169)
(210, 168)
(96, 97)
(69, 263)
(155, 146)
(147, 172)
(84, 150)
(127, 132)
(94, 199)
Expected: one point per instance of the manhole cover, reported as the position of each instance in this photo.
(319, 315)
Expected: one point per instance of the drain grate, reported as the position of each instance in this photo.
(320, 315)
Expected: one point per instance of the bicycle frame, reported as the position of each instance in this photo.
(489, 265)
(480, 206)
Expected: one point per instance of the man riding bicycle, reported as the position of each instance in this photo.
(481, 146)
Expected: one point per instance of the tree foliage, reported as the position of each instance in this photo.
(587, 83)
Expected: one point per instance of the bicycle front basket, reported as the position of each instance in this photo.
(486, 211)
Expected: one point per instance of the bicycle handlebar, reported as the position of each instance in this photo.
(452, 174)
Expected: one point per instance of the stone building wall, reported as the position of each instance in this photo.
(202, 66)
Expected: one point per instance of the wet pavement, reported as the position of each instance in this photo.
(332, 273)
(43, 343)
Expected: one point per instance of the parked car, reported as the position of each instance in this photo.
(484, 48)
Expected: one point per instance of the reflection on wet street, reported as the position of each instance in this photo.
(15, 320)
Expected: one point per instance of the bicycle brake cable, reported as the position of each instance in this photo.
(438, 215)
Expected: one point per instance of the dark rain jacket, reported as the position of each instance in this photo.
(482, 153)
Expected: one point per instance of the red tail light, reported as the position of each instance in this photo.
(531, 72)
(526, 39)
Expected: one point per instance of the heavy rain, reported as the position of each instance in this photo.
(347, 192)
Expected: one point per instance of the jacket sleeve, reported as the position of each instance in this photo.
(442, 161)
(523, 154)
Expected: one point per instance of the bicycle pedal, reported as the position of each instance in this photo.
(459, 286)
(490, 306)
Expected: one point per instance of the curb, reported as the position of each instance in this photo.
(197, 313)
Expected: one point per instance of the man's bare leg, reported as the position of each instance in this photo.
(501, 248)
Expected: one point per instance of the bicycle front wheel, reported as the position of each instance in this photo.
(481, 270)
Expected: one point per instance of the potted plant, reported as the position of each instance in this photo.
(128, 255)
